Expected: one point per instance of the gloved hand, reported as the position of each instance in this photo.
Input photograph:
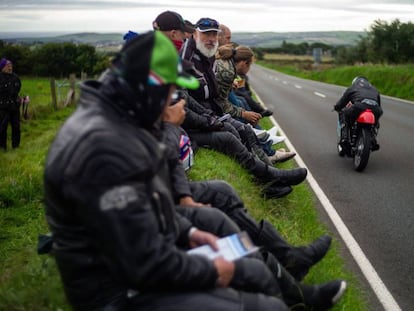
(214, 124)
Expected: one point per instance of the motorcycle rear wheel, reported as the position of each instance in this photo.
(362, 149)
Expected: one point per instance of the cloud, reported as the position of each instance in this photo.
(240, 15)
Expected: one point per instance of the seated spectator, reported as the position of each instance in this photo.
(122, 245)
(229, 61)
(221, 195)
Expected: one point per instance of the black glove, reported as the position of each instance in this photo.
(214, 124)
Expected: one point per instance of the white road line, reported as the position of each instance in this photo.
(377, 285)
(298, 86)
(319, 94)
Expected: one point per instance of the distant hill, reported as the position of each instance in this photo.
(252, 39)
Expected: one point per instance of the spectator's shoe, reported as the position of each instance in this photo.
(273, 131)
(281, 156)
(323, 297)
(298, 296)
(266, 113)
(275, 192)
(288, 177)
(276, 139)
(300, 259)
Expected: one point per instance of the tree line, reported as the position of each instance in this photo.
(387, 43)
(384, 43)
(54, 59)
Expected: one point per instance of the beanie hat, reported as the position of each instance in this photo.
(129, 35)
(3, 63)
(151, 59)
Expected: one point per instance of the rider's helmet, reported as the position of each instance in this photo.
(360, 80)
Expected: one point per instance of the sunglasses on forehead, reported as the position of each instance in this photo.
(211, 23)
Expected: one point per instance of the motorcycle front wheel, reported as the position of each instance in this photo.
(362, 149)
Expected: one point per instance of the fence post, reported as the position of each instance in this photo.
(70, 99)
(53, 92)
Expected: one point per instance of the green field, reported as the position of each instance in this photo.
(391, 80)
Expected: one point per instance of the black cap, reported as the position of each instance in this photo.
(169, 20)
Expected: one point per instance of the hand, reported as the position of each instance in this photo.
(225, 270)
(188, 201)
(202, 238)
(175, 114)
(214, 124)
(251, 116)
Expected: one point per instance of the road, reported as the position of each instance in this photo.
(375, 205)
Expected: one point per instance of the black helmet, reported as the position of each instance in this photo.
(146, 67)
(360, 80)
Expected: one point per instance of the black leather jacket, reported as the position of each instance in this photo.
(110, 209)
(10, 85)
(363, 93)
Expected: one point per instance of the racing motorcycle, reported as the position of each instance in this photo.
(362, 139)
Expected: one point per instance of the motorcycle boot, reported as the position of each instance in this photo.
(344, 140)
(374, 144)
(301, 296)
(296, 260)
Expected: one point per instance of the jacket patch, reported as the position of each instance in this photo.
(118, 198)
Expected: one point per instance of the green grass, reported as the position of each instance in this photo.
(29, 281)
(391, 80)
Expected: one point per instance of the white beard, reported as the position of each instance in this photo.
(203, 50)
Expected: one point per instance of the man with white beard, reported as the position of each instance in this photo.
(199, 51)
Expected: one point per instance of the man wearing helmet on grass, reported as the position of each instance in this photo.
(359, 96)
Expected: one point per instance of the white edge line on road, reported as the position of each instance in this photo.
(319, 94)
(377, 285)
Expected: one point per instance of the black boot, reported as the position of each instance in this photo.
(297, 260)
(282, 178)
(304, 297)
(276, 192)
(344, 141)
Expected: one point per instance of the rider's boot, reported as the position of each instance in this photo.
(374, 144)
(344, 141)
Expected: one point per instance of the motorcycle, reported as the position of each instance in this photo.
(362, 139)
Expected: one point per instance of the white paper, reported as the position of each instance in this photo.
(231, 247)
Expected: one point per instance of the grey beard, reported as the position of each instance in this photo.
(206, 52)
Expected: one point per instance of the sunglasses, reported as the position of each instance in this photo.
(208, 23)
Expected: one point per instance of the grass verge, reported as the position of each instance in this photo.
(29, 281)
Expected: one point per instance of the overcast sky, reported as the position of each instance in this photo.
(240, 15)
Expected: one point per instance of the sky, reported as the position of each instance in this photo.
(73, 16)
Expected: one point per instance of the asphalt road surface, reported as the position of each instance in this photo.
(377, 205)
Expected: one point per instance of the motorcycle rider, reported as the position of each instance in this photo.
(359, 96)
